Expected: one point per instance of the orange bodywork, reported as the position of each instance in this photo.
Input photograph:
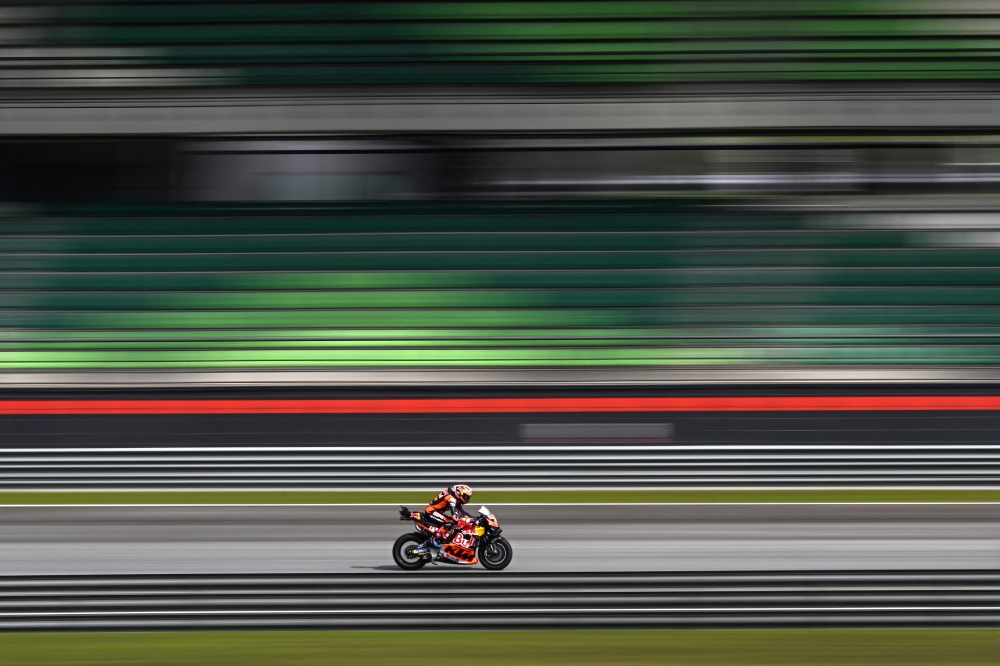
(459, 554)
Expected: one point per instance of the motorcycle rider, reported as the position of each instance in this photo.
(450, 500)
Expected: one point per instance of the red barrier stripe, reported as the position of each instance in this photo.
(509, 405)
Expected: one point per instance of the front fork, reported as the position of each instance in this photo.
(487, 543)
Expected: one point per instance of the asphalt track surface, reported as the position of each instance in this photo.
(149, 540)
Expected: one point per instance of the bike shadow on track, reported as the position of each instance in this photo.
(381, 567)
(393, 567)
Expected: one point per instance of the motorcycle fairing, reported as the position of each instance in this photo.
(458, 554)
(464, 536)
(491, 520)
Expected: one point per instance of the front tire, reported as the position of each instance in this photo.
(400, 551)
(497, 554)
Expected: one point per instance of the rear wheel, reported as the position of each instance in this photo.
(497, 554)
(402, 551)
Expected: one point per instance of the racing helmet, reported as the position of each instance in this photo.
(462, 493)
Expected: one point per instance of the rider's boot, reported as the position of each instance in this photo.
(427, 548)
(430, 548)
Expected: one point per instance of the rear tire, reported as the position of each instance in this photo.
(406, 543)
(497, 554)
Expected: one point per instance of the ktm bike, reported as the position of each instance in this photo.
(480, 534)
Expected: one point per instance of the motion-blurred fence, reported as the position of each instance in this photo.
(500, 451)
(367, 468)
(359, 600)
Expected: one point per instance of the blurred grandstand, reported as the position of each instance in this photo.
(230, 193)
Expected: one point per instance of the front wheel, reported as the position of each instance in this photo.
(402, 551)
(496, 554)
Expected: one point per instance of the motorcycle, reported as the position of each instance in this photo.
(414, 550)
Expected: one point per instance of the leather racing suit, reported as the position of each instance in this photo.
(437, 512)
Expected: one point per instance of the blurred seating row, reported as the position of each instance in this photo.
(239, 42)
(478, 284)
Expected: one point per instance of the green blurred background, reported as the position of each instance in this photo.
(440, 284)
(426, 43)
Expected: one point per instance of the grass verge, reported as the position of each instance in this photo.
(493, 497)
(826, 647)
